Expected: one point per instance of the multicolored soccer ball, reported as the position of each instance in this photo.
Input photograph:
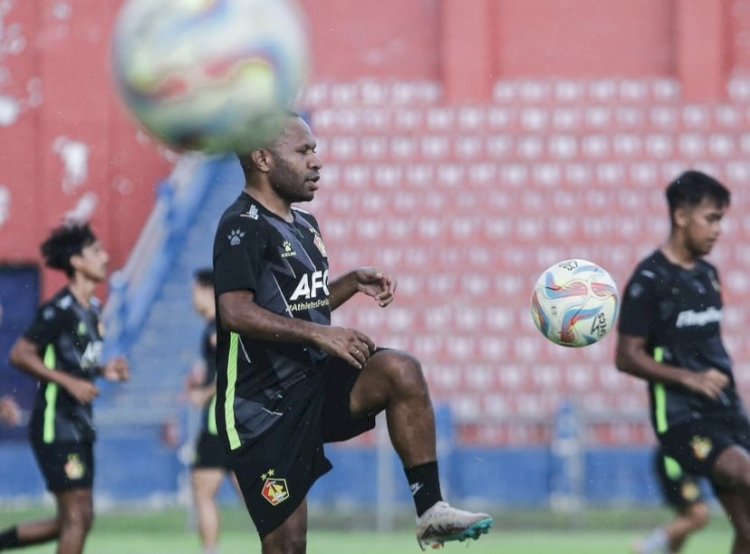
(574, 303)
(210, 75)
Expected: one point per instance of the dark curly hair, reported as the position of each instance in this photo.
(65, 242)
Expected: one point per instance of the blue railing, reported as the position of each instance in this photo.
(134, 288)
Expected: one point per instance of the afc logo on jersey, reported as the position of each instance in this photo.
(311, 285)
(92, 356)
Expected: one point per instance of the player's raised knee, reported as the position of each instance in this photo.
(403, 369)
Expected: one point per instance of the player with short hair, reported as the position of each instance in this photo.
(670, 336)
(289, 381)
(682, 493)
(211, 463)
(63, 350)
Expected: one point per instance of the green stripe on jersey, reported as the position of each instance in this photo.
(672, 468)
(212, 429)
(660, 397)
(50, 396)
(234, 438)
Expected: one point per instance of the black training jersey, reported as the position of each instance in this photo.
(69, 338)
(679, 312)
(208, 352)
(286, 266)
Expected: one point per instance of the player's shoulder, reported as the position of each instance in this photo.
(56, 306)
(654, 267)
(244, 208)
(242, 218)
(706, 266)
(307, 217)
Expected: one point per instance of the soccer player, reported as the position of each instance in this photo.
(682, 493)
(288, 381)
(211, 463)
(670, 336)
(63, 351)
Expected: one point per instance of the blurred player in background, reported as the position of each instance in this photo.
(670, 336)
(63, 351)
(682, 493)
(211, 463)
(288, 381)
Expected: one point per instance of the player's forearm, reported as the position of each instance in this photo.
(641, 365)
(342, 289)
(24, 357)
(250, 320)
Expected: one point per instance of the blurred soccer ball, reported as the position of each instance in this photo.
(574, 303)
(211, 75)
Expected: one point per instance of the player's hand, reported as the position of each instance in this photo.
(117, 369)
(347, 344)
(376, 284)
(199, 397)
(197, 376)
(710, 383)
(10, 411)
(82, 390)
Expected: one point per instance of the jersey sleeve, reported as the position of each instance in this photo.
(238, 252)
(46, 327)
(638, 307)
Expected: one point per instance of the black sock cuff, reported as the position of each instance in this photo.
(424, 482)
(9, 538)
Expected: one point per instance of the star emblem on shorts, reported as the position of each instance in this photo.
(275, 489)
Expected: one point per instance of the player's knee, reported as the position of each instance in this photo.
(699, 516)
(80, 515)
(406, 372)
(286, 543)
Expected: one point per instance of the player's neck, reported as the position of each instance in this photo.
(82, 289)
(272, 202)
(676, 252)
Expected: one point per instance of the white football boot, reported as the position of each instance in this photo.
(443, 523)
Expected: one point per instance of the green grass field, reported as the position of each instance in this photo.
(167, 532)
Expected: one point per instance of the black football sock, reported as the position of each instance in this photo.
(424, 483)
(9, 538)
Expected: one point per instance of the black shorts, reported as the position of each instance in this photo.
(65, 465)
(276, 472)
(697, 444)
(679, 488)
(210, 453)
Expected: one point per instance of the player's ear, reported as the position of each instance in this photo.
(681, 217)
(262, 159)
(75, 261)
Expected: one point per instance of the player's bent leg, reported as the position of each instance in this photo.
(732, 469)
(394, 381)
(291, 536)
(736, 508)
(206, 483)
(29, 534)
(76, 513)
(731, 473)
(690, 520)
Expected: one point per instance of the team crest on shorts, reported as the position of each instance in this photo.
(701, 446)
(274, 488)
(74, 468)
